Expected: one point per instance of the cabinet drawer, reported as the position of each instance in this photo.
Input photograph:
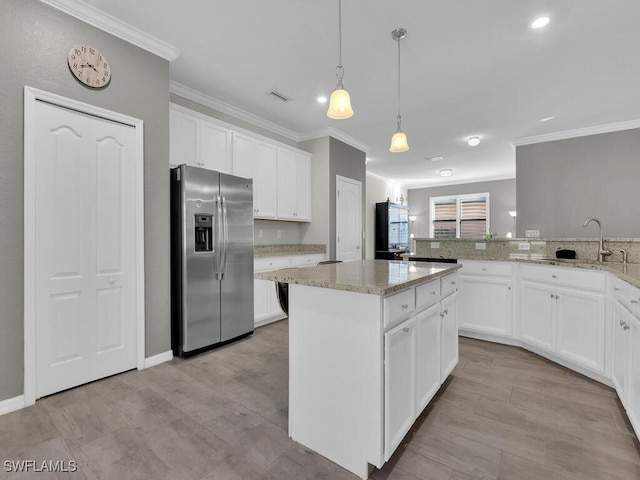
(486, 268)
(449, 284)
(271, 263)
(427, 294)
(398, 307)
(568, 276)
(308, 259)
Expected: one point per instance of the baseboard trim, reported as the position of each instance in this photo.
(12, 404)
(158, 359)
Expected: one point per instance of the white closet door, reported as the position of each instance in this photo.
(85, 316)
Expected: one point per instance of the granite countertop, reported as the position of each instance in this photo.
(290, 249)
(375, 277)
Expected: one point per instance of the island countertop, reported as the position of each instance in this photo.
(375, 277)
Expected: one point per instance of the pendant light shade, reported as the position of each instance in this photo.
(399, 140)
(399, 143)
(340, 102)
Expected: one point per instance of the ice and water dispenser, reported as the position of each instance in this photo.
(203, 232)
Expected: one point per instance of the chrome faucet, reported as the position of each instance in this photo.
(625, 258)
(602, 253)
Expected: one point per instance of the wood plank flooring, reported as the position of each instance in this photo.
(505, 413)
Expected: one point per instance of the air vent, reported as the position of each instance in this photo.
(435, 159)
(279, 96)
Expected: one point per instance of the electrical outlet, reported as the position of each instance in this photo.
(481, 246)
(260, 234)
(524, 246)
(435, 244)
(532, 233)
(279, 233)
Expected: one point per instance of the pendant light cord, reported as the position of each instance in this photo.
(339, 69)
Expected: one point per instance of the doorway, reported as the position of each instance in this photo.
(84, 250)
(348, 219)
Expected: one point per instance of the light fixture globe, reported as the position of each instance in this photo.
(340, 105)
(399, 143)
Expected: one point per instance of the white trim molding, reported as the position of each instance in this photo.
(580, 132)
(31, 97)
(158, 359)
(110, 24)
(12, 404)
(220, 106)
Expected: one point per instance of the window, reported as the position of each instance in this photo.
(460, 216)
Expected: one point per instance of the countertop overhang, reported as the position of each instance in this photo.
(375, 277)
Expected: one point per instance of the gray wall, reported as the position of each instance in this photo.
(318, 230)
(502, 198)
(346, 161)
(563, 182)
(34, 42)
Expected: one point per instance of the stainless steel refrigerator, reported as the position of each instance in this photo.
(211, 259)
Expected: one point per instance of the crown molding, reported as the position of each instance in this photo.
(337, 134)
(110, 24)
(207, 101)
(580, 132)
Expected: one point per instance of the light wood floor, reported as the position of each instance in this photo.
(503, 414)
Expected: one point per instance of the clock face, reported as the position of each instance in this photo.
(89, 66)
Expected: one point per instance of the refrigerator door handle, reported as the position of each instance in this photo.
(225, 238)
(218, 244)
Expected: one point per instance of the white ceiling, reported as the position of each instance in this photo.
(469, 67)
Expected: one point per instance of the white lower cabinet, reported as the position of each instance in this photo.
(449, 343)
(565, 315)
(486, 298)
(400, 384)
(633, 398)
(621, 351)
(428, 355)
(266, 307)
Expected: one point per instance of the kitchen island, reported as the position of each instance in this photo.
(370, 343)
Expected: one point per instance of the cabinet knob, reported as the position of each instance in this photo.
(508, 288)
(441, 315)
(405, 306)
(446, 312)
(626, 327)
(453, 283)
(557, 297)
(554, 276)
(616, 289)
(484, 269)
(621, 322)
(634, 301)
(552, 295)
(433, 292)
(405, 329)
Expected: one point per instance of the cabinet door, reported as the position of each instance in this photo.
(485, 304)
(183, 137)
(633, 404)
(399, 385)
(303, 188)
(265, 165)
(537, 315)
(429, 356)
(214, 150)
(242, 155)
(621, 350)
(581, 327)
(449, 342)
(286, 184)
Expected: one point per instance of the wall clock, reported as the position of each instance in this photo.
(89, 66)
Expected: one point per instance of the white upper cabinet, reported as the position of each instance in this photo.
(256, 159)
(281, 174)
(198, 142)
(294, 185)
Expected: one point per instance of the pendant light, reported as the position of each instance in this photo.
(340, 102)
(399, 139)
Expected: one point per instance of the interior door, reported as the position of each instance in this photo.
(85, 284)
(348, 219)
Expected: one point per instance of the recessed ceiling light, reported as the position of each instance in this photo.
(546, 119)
(435, 159)
(322, 99)
(540, 22)
(446, 172)
(473, 141)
